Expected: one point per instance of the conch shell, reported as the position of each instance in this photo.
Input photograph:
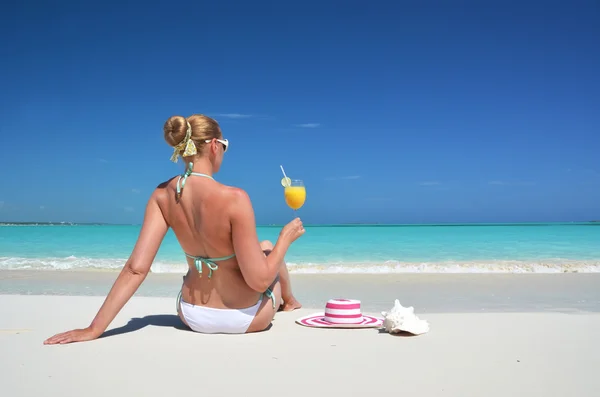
(403, 319)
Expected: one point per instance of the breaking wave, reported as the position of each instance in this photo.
(386, 267)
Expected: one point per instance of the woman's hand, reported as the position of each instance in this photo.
(292, 231)
(76, 335)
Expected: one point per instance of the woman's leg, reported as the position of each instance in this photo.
(289, 301)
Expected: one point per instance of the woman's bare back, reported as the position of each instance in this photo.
(201, 221)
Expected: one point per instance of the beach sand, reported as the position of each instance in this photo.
(487, 348)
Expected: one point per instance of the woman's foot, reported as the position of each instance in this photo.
(289, 305)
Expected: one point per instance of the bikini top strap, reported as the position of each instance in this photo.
(182, 178)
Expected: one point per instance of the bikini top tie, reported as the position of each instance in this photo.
(199, 260)
(183, 178)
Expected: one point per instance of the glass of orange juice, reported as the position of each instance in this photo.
(295, 194)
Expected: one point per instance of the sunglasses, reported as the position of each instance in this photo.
(223, 142)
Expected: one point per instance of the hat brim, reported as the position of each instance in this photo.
(318, 321)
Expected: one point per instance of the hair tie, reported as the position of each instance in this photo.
(187, 145)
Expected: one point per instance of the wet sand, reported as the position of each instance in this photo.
(428, 293)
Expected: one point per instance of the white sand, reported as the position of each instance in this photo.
(482, 354)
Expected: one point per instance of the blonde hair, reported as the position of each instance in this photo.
(186, 135)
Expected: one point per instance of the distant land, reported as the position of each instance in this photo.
(53, 224)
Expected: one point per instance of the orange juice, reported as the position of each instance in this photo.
(295, 196)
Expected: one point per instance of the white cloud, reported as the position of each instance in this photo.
(42, 207)
(234, 115)
(308, 125)
(340, 178)
(508, 183)
(136, 191)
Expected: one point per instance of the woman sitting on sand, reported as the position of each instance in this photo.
(234, 284)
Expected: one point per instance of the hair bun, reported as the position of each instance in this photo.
(175, 129)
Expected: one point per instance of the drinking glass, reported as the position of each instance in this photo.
(295, 194)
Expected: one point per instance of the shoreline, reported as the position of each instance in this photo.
(334, 267)
(428, 293)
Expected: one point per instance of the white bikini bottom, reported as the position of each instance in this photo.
(209, 320)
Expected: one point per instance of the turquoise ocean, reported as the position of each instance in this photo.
(471, 248)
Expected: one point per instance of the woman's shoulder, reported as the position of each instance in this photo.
(165, 184)
(235, 198)
(235, 193)
(163, 189)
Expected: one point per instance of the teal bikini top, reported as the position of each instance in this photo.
(199, 260)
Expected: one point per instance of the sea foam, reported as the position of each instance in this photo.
(552, 265)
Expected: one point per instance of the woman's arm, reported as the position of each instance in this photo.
(154, 229)
(258, 271)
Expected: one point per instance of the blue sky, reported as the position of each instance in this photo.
(399, 112)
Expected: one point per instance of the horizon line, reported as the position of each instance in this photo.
(49, 223)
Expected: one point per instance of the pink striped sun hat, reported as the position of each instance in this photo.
(341, 313)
